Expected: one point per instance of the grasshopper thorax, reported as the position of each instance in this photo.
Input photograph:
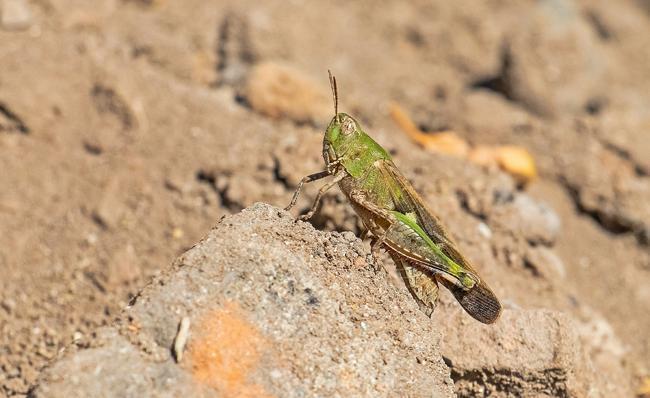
(346, 145)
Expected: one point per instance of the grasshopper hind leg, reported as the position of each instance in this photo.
(422, 285)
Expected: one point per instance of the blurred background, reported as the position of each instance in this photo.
(129, 127)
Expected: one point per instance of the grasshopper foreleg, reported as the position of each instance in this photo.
(309, 178)
(341, 175)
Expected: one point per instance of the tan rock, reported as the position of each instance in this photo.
(282, 91)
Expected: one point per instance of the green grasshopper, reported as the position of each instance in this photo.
(396, 216)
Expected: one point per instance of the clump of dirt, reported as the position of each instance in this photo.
(128, 128)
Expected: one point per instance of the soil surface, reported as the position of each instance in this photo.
(128, 128)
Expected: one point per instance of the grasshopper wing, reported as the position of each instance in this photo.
(480, 302)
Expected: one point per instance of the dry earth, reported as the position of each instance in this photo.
(129, 128)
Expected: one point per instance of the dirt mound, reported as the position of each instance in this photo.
(276, 308)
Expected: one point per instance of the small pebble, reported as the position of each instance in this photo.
(9, 305)
(16, 15)
(177, 233)
(545, 263)
(349, 236)
(484, 230)
(181, 338)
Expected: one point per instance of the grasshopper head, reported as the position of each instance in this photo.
(346, 145)
(341, 131)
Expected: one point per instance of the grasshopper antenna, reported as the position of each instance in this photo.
(335, 93)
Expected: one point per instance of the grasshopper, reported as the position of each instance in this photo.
(396, 216)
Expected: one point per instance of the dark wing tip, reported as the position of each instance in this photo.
(480, 302)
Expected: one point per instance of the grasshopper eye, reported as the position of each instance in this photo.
(348, 126)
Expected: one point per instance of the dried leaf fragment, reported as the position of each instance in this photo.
(517, 161)
(514, 160)
(446, 142)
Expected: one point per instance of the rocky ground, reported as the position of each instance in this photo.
(129, 128)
